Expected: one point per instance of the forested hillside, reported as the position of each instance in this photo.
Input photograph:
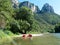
(27, 17)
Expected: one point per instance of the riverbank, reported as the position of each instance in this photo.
(28, 34)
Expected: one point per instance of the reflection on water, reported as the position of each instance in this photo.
(57, 35)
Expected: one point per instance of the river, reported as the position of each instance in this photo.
(56, 35)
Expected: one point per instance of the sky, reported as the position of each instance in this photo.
(54, 3)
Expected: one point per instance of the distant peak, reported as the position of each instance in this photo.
(47, 8)
(26, 2)
(46, 4)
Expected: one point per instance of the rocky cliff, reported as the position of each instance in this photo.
(15, 3)
(33, 7)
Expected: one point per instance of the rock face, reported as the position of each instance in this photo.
(33, 7)
(47, 8)
(15, 3)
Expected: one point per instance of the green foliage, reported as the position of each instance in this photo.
(6, 5)
(51, 18)
(24, 18)
(8, 33)
(47, 21)
(6, 10)
(57, 28)
(14, 26)
(24, 13)
(4, 34)
(5, 37)
(24, 25)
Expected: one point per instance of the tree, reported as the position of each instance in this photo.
(6, 5)
(57, 28)
(25, 19)
(7, 11)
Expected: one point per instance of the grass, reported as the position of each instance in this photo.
(5, 37)
(42, 40)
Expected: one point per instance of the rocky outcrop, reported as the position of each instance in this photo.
(33, 7)
(47, 8)
(15, 3)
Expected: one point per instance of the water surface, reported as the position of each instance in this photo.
(56, 35)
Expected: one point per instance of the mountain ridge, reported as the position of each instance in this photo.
(46, 7)
(47, 11)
